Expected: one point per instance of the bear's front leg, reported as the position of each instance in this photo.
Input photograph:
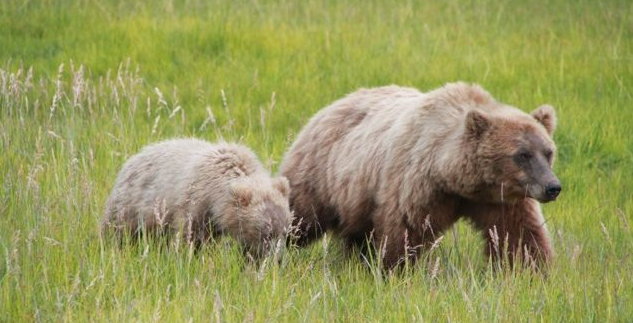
(514, 231)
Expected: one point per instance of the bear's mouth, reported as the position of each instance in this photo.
(546, 199)
(541, 196)
(535, 192)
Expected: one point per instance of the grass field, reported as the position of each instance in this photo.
(84, 84)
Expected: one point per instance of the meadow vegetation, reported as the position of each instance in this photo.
(84, 84)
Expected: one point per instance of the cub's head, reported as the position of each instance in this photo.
(513, 153)
(262, 216)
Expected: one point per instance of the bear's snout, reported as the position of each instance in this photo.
(552, 190)
(548, 192)
(278, 219)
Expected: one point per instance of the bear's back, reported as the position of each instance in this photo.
(366, 104)
(168, 171)
(193, 157)
(163, 164)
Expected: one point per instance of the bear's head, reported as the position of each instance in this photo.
(513, 153)
(262, 214)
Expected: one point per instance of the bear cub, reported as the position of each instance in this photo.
(197, 190)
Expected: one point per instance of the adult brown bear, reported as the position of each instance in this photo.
(402, 166)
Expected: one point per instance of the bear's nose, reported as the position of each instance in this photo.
(552, 190)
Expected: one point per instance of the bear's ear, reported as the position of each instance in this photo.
(242, 194)
(546, 116)
(476, 123)
(281, 184)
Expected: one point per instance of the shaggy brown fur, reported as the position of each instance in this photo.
(405, 166)
(200, 189)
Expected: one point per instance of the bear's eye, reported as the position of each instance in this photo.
(524, 156)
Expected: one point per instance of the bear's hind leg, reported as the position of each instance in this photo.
(310, 225)
(396, 242)
(311, 218)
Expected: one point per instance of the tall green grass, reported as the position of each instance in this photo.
(85, 84)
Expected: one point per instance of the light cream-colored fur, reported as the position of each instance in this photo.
(199, 189)
(403, 166)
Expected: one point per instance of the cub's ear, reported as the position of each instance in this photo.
(546, 116)
(281, 184)
(242, 194)
(477, 123)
